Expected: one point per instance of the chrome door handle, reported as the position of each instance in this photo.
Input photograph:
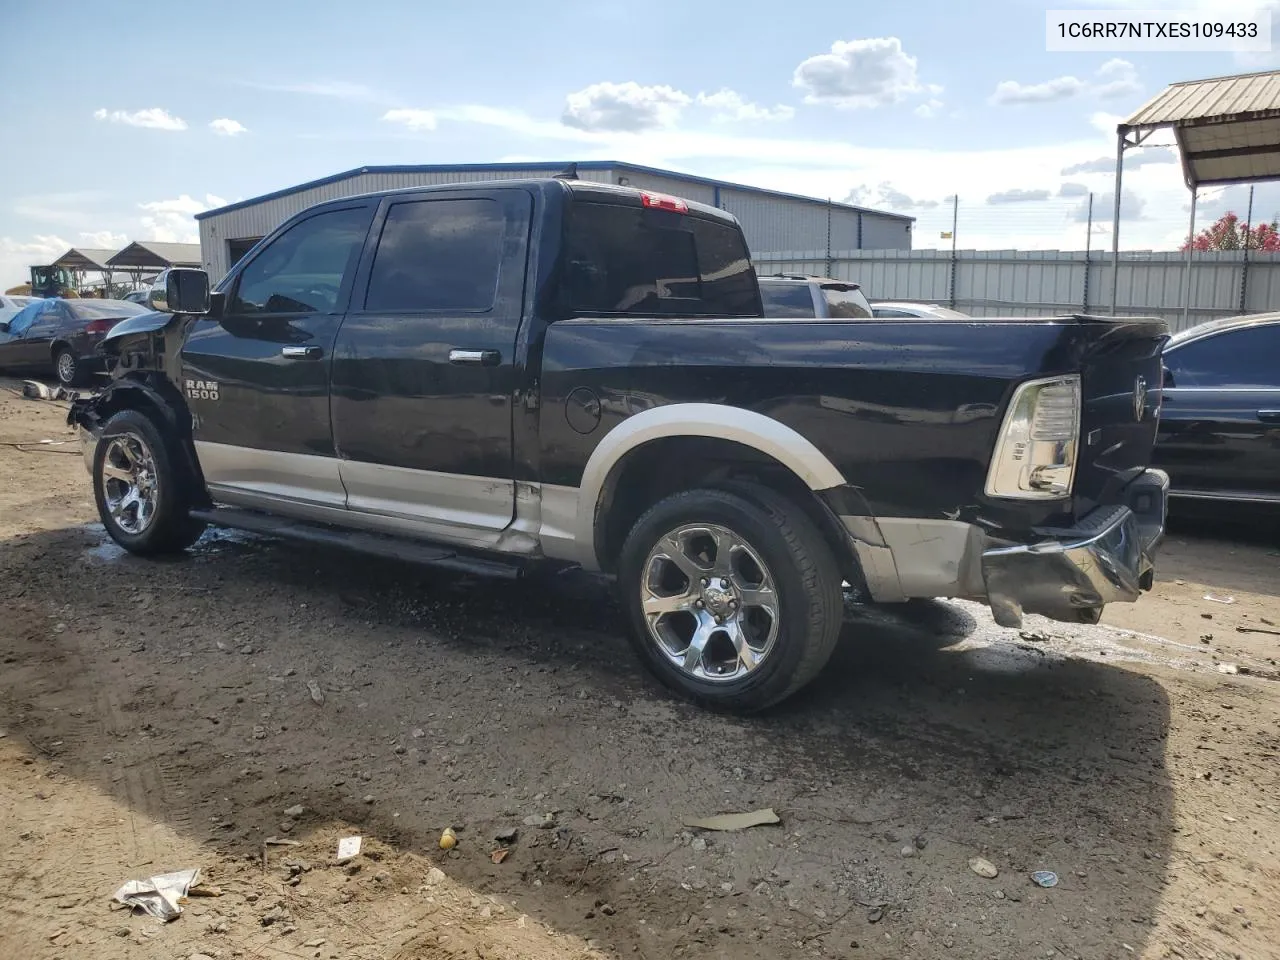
(479, 358)
(301, 353)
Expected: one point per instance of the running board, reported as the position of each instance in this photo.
(394, 548)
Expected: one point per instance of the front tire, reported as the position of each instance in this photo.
(143, 500)
(733, 597)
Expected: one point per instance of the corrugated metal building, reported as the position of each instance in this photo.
(780, 227)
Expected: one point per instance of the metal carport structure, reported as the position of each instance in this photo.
(147, 255)
(1227, 130)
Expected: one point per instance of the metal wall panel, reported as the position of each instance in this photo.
(1052, 283)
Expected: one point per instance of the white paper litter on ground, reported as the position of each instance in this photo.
(348, 847)
(159, 895)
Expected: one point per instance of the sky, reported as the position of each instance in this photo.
(125, 129)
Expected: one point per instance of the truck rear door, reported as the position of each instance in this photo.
(424, 367)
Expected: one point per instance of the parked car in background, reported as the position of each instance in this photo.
(10, 305)
(1219, 435)
(898, 310)
(137, 296)
(790, 295)
(61, 337)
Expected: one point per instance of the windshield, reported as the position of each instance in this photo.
(103, 309)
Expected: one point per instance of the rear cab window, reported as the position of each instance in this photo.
(638, 261)
(787, 300)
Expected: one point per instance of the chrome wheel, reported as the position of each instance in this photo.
(129, 484)
(710, 602)
(66, 367)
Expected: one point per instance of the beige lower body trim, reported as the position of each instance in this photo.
(297, 477)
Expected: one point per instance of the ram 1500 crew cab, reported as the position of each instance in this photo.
(553, 371)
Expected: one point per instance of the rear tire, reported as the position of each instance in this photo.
(67, 368)
(144, 500)
(733, 597)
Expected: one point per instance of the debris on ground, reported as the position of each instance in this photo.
(1044, 878)
(1214, 598)
(316, 693)
(984, 868)
(448, 839)
(736, 821)
(348, 847)
(507, 835)
(159, 896)
(296, 811)
(280, 842)
(500, 854)
(1228, 668)
(1275, 633)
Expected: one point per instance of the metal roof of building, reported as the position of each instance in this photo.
(151, 253)
(85, 258)
(1227, 128)
(550, 168)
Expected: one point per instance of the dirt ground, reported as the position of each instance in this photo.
(156, 716)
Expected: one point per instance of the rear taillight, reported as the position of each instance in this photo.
(662, 201)
(100, 326)
(1035, 457)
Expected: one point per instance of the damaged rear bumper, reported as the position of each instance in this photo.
(1064, 574)
(1073, 574)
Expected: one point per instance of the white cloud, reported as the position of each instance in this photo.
(1060, 88)
(226, 127)
(1118, 78)
(103, 239)
(17, 256)
(929, 109)
(1132, 207)
(1018, 196)
(1115, 78)
(1133, 160)
(730, 105)
(172, 221)
(859, 73)
(413, 119)
(886, 196)
(153, 118)
(1073, 190)
(627, 107)
(1105, 122)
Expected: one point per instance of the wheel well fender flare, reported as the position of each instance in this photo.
(713, 420)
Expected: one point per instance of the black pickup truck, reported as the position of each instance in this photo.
(553, 371)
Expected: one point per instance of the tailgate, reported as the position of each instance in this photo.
(1121, 378)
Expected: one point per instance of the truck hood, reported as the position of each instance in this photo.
(142, 323)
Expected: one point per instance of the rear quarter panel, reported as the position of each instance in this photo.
(908, 411)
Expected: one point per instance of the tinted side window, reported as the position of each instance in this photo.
(787, 300)
(890, 312)
(303, 269)
(1237, 358)
(438, 255)
(627, 260)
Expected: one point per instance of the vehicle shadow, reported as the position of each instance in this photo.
(932, 738)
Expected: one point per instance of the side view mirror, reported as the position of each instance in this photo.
(1168, 377)
(180, 290)
(4, 326)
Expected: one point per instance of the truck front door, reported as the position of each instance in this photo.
(257, 377)
(424, 365)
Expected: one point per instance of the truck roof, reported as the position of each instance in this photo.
(582, 190)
